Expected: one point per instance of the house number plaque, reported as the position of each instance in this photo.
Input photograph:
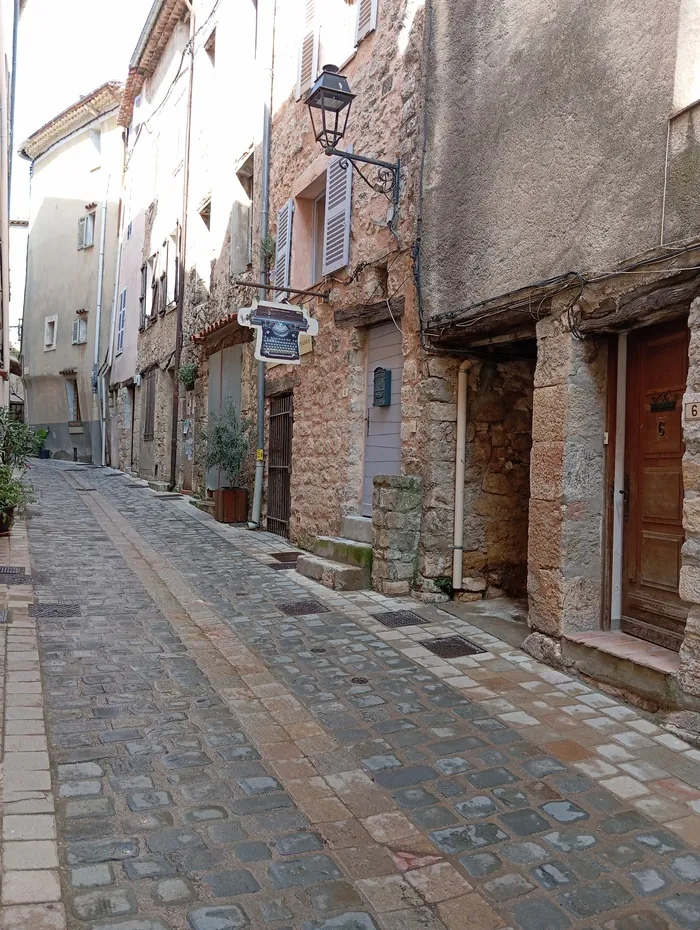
(692, 411)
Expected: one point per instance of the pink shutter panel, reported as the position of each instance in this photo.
(283, 253)
(336, 237)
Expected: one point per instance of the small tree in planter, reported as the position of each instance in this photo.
(15, 494)
(227, 447)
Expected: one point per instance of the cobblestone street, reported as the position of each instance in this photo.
(231, 745)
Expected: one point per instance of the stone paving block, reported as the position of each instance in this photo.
(438, 882)
(30, 887)
(34, 854)
(230, 917)
(91, 876)
(112, 902)
(309, 871)
(34, 916)
(470, 912)
(29, 827)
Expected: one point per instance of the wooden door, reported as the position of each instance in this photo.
(657, 366)
(382, 423)
(279, 465)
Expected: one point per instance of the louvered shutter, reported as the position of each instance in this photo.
(81, 232)
(75, 333)
(366, 18)
(308, 49)
(336, 235)
(283, 254)
(122, 321)
(172, 270)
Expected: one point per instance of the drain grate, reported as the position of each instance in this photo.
(54, 610)
(397, 618)
(452, 647)
(11, 570)
(282, 566)
(285, 556)
(301, 608)
(359, 680)
(317, 649)
(3, 616)
(86, 489)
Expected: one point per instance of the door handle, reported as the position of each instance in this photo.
(367, 420)
(625, 491)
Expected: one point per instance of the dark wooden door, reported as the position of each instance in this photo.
(657, 366)
(279, 465)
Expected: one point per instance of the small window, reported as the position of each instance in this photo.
(73, 399)
(79, 331)
(148, 400)
(121, 322)
(205, 212)
(128, 232)
(86, 231)
(50, 326)
(210, 46)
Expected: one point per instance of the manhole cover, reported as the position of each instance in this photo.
(300, 608)
(359, 680)
(396, 618)
(282, 566)
(54, 610)
(317, 649)
(452, 647)
(285, 556)
(11, 570)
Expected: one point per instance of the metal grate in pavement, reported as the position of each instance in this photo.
(452, 647)
(301, 608)
(11, 570)
(54, 610)
(3, 616)
(282, 566)
(285, 556)
(397, 618)
(86, 489)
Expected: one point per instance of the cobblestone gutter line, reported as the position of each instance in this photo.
(31, 889)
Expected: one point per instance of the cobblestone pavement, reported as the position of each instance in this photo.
(234, 746)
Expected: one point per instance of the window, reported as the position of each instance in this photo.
(128, 231)
(205, 212)
(366, 18)
(121, 322)
(319, 226)
(86, 231)
(142, 296)
(135, 118)
(148, 401)
(73, 399)
(242, 219)
(50, 327)
(79, 331)
(308, 48)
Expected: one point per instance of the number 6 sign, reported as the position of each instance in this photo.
(692, 411)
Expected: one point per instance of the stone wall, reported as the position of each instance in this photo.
(567, 487)
(396, 519)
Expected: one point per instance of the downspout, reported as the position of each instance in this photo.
(96, 406)
(181, 274)
(266, 82)
(13, 89)
(460, 462)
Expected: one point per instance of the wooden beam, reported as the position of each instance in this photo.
(370, 314)
(654, 303)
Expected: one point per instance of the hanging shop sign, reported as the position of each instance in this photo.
(278, 327)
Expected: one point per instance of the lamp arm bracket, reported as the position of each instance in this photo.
(388, 173)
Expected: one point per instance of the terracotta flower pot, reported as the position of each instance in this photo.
(231, 505)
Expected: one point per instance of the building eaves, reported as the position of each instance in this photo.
(160, 25)
(102, 100)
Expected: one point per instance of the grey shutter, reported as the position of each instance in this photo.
(308, 50)
(336, 235)
(75, 333)
(366, 18)
(283, 254)
(81, 232)
(240, 235)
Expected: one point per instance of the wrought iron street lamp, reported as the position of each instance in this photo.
(329, 103)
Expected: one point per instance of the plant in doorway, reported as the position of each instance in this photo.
(15, 494)
(227, 441)
(187, 375)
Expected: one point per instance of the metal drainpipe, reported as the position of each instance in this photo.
(264, 225)
(13, 89)
(460, 462)
(96, 406)
(181, 263)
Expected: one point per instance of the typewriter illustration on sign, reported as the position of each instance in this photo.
(278, 329)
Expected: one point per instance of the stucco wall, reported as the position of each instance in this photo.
(547, 127)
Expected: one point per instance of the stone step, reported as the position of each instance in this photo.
(334, 575)
(347, 551)
(357, 528)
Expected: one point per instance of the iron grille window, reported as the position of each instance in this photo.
(149, 404)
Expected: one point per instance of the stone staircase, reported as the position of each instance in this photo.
(343, 563)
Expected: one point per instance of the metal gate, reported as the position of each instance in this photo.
(279, 502)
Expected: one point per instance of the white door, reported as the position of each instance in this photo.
(382, 423)
(224, 387)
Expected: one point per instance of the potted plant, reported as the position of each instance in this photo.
(14, 497)
(187, 375)
(227, 447)
(40, 436)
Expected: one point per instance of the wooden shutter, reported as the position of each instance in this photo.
(308, 49)
(81, 232)
(172, 270)
(75, 333)
(366, 18)
(283, 254)
(336, 235)
(122, 321)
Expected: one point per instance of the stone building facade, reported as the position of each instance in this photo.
(560, 250)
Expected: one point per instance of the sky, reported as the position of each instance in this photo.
(66, 49)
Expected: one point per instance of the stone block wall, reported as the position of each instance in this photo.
(567, 488)
(396, 520)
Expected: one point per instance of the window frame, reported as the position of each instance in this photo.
(121, 321)
(51, 321)
(148, 385)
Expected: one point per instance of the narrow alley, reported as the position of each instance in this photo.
(231, 745)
